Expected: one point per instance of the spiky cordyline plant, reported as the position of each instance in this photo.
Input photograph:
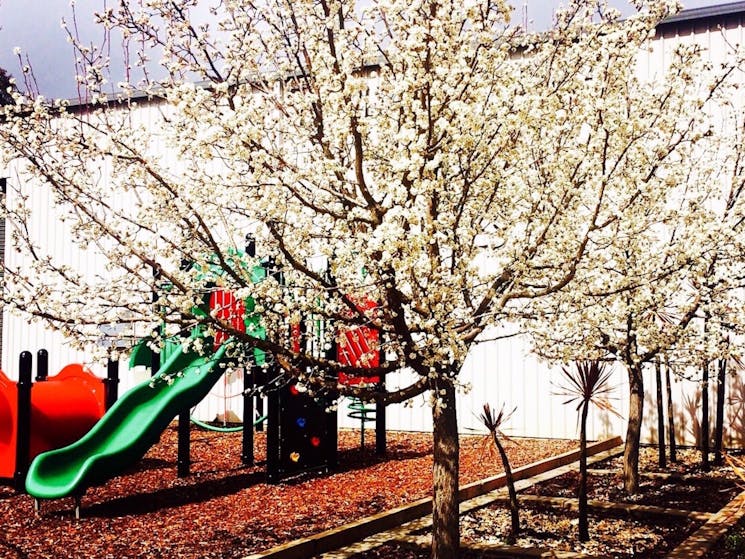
(494, 421)
(588, 382)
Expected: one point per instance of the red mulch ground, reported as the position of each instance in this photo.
(225, 510)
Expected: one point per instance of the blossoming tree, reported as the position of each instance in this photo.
(421, 155)
(664, 277)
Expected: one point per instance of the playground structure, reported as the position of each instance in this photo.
(302, 428)
(52, 412)
(301, 435)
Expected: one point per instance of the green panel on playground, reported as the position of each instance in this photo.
(301, 434)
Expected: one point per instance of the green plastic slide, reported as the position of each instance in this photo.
(132, 425)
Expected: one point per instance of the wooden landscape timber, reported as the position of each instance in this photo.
(355, 531)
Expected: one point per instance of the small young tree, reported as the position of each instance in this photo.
(705, 428)
(647, 282)
(670, 414)
(719, 421)
(661, 457)
(588, 383)
(493, 421)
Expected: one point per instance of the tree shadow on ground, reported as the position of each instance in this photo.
(192, 490)
(150, 464)
(170, 497)
(356, 457)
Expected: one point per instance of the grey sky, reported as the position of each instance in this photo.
(34, 25)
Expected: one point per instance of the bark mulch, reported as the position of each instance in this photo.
(225, 510)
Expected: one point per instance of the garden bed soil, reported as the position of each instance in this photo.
(614, 535)
(225, 510)
(697, 491)
(731, 546)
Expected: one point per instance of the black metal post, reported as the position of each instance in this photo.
(272, 432)
(23, 428)
(332, 425)
(249, 376)
(332, 435)
(259, 380)
(274, 271)
(380, 434)
(111, 382)
(252, 378)
(42, 365)
(155, 356)
(250, 245)
(184, 444)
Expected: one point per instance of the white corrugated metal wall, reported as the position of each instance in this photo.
(499, 372)
(51, 236)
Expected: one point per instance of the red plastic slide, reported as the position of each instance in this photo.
(63, 408)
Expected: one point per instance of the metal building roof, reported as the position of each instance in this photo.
(706, 12)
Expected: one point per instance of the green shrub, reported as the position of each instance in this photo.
(735, 542)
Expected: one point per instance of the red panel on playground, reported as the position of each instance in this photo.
(63, 408)
(359, 347)
(228, 309)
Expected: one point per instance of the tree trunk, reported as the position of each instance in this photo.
(445, 521)
(633, 430)
(719, 426)
(514, 508)
(584, 532)
(670, 415)
(661, 459)
(705, 417)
